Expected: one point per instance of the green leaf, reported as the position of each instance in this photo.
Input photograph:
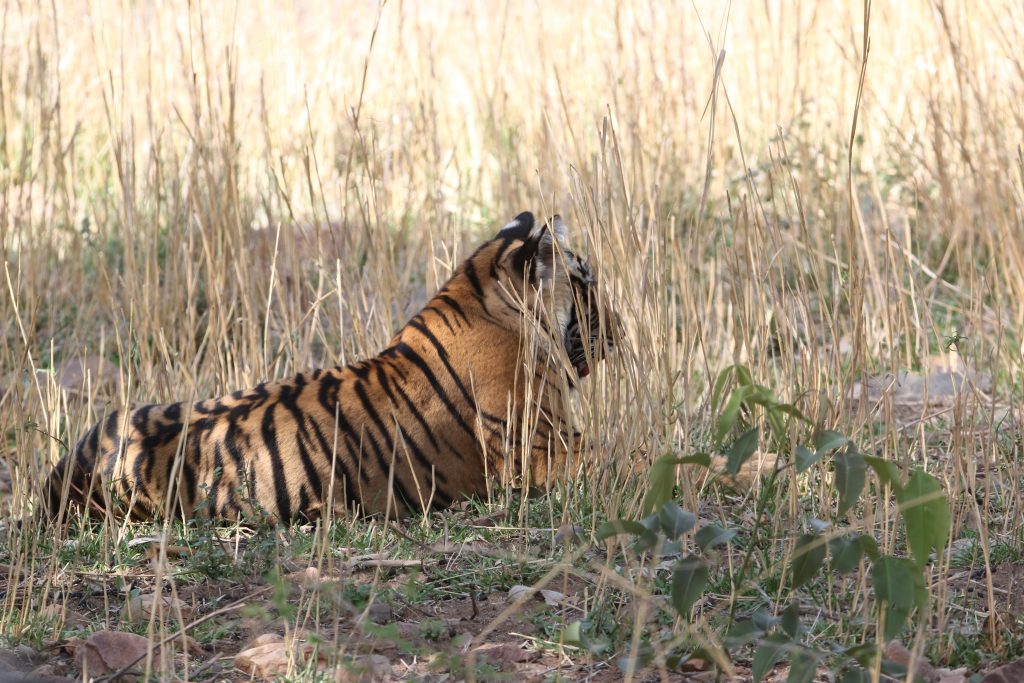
(645, 537)
(777, 424)
(741, 633)
(572, 634)
(762, 396)
(790, 622)
(651, 522)
(764, 619)
(768, 655)
(850, 478)
(887, 471)
(792, 411)
(893, 669)
(631, 665)
(866, 654)
(616, 527)
(663, 478)
(702, 459)
(802, 666)
(895, 621)
(741, 450)
(597, 646)
(674, 520)
(662, 483)
(743, 375)
(711, 535)
(644, 543)
(688, 581)
(669, 548)
(925, 514)
(808, 556)
(730, 413)
(576, 634)
(845, 553)
(829, 440)
(920, 592)
(893, 579)
(805, 457)
(870, 546)
(719, 388)
(855, 675)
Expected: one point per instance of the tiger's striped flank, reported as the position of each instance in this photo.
(417, 427)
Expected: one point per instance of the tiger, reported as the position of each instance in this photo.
(475, 385)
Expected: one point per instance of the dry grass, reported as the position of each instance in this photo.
(194, 198)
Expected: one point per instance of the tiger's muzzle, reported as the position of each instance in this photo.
(589, 337)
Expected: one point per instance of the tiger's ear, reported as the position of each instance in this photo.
(560, 230)
(537, 255)
(519, 227)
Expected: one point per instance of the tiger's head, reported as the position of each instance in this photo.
(528, 268)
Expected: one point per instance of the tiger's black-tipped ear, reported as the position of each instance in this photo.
(537, 254)
(518, 228)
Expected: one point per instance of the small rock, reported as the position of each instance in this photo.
(265, 661)
(961, 548)
(695, 664)
(82, 374)
(26, 653)
(366, 669)
(105, 652)
(266, 639)
(308, 578)
(569, 533)
(490, 519)
(1009, 673)
(46, 673)
(504, 654)
(380, 613)
(552, 598)
(41, 671)
(896, 652)
(140, 608)
(407, 629)
(70, 618)
(960, 675)
(20, 658)
(911, 387)
(269, 656)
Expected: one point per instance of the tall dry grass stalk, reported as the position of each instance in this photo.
(196, 197)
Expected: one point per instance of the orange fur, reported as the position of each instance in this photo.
(419, 425)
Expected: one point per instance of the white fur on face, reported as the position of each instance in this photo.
(514, 223)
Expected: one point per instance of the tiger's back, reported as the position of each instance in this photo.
(417, 427)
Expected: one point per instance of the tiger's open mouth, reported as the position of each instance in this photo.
(579, 355)
(578, 358)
